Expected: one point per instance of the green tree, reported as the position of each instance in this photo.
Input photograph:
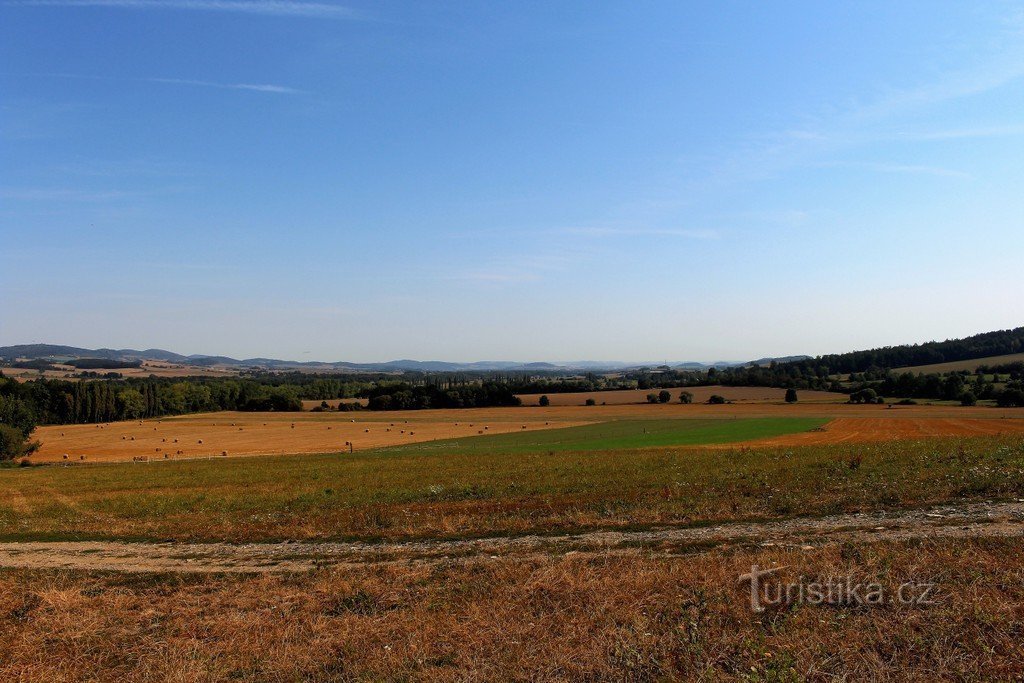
(686, 397)
(791, 396)
(14, 444)
(716, 399)
(652, 398)
(131, 404)
(544, 401)
(664, 396)
(590, 402)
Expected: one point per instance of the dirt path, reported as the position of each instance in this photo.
(947, 521)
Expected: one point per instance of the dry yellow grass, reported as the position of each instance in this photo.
(233, 434)
(273, 433)
(646, 617)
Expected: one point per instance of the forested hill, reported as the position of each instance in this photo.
(999, 343)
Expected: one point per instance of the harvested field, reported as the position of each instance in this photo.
(333, 403)
(272, 433)
(217, 434)
(700, 395)
(871, 430)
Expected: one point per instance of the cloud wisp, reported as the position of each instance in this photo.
(280, 8)
(254, 87)
(271, 88)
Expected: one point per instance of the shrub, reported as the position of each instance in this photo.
(544, 401)
(652, 398)
(14, 444)
(590, 402)
(716, 399)
(1010, 398)
(686, 397)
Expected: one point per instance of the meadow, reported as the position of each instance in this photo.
(595, 595)
(461, 491)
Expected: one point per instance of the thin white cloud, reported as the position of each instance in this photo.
(255, 87)
(50, 194)
(968, 133)
(916, 169)
(281, 8)
(252, 87)
(599, 231)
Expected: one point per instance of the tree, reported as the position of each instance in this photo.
(652, 398)
(791, 395)
(968, 399)
(664, 396)
(1010, 398)
(544, 401)
(590, 402)
(686, 397)
(14, 444)
(716, 399)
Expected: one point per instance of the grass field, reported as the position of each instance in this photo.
(624, 434)
(398, 494)
(237, 434)
(471, 565)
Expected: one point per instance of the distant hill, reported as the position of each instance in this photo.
(56, 352)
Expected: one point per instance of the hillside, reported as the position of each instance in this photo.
(961, 365)
(976, 347)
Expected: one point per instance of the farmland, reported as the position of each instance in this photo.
(244, 434)
(570, 541)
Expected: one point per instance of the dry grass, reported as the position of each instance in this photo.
(215, 434)
(425, 493)
(272, 433)
(875, 430)
(639, 618)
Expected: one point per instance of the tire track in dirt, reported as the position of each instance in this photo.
(947, 521)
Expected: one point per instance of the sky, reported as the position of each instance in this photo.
(634, 181)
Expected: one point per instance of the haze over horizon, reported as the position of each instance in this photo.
(538, 182)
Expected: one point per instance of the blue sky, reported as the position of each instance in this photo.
(530, 180)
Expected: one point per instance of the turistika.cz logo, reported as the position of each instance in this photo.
(767, 591)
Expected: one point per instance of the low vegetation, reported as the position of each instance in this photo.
(452, 493)
(542, 618)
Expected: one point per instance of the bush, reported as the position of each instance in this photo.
(590, 402)
(1010, 398)
(652, 398)
(791, 396)
(716, 400)
(664, 396)
(544, 401)
(968, 399)
(864, 396)
(686, 397)
(14, 444)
